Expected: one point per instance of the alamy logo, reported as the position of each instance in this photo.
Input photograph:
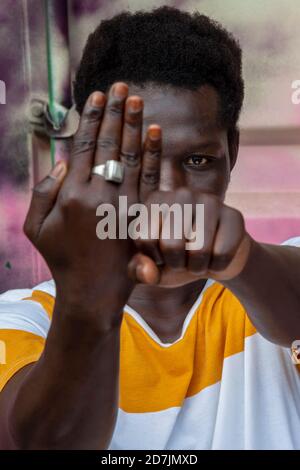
(296, 94)
(177, 221)
(295, 348)
(2, 352)
(2, 92)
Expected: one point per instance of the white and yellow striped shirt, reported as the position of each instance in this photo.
(221, 385)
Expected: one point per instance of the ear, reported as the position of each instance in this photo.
(233, 138)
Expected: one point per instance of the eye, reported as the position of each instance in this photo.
(196, 161)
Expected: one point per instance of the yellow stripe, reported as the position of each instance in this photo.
(153, 378)
(20, 348)
(45, 299)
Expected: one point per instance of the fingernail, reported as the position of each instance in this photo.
(97, 99)
(120, 90)
(136, 104)
(155, 133)
(57, 170)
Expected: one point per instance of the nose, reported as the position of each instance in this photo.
(170, 177)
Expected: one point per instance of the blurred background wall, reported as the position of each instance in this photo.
(40, 47)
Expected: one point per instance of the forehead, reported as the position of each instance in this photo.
(194, 111)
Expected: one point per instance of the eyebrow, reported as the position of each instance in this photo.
(202, 143)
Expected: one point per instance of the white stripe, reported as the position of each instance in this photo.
(294, 241)
(143, 430)
(255, 405)
(15, 294)
(25, 315)
(48, 287)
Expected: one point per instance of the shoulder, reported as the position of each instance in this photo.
(28, 309)
(25, 316)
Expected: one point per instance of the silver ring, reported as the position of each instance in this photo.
(111, 170)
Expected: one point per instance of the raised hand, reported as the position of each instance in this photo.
(62, 220)
(226, 243)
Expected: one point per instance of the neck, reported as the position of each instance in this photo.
(163, 308)
(162, 299)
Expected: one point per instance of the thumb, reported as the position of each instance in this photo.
(142, 269)
(43, 199)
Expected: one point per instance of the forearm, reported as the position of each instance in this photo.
(268, 287)
(69, 400)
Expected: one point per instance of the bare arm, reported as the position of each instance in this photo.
(264, 277)
(268, 287)
(69, 398)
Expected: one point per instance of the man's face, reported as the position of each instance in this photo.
(195, 151)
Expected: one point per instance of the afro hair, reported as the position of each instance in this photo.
(166, 46)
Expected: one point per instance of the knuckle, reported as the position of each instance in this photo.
(115, 109)
(151, 162)
(147, 244)
(133, 121)
(149, 177)
(154, 155)
(107, 143)
(199, 257)
(198, 262)
(174, 254)
(82, 145)
(172, 247)
(92, 114)
(221, 261)
(69, 200)
(131, 159)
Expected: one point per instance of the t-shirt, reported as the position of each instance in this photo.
(221, 385)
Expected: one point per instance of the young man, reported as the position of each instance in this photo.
(144, 344)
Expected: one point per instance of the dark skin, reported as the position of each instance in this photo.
(187, 133)
(78, 370)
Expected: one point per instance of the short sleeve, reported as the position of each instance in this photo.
(294, 241)
(25, 316)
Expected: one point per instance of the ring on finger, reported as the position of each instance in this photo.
(111, 170)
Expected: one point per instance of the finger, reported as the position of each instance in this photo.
(172, 244)
(142, 269)
(148, 242)
(230, 233)
(130, 153)
(44, 195)
(109, 137)
(199, 259)
(84, 143)
(175, 224)
(149, 180)
(151, 249)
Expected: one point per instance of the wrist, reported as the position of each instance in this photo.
(252, 252)
(84, 313)
(239, 262)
